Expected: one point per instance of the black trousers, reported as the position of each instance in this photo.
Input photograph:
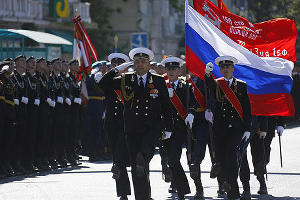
(43, 133)
(142, 141)
(227, 141)
(9, 133)
(119, 151)
(21, 129)
(174, 149)
(31, 132)
(257, 149)
(60, 131)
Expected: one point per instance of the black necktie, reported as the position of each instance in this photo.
(141, 82)
(173, 85)
(228, 83)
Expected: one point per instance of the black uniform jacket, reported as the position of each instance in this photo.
(148, 108)
(224, 113)
(181, 91)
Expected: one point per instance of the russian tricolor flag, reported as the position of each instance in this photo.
(268, 78)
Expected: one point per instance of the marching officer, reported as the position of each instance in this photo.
(201, 134)
(75, 90)
(114, 127)
(94, 115)
(43, 136)
(231, 116)
(32, 113)
(177, 91)
(53, 88)
(146, 112)
(10, 120)
(258, 133)
(21, 100)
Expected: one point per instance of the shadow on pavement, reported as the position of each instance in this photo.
(270, 197)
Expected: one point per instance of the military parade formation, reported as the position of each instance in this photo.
(134, 106)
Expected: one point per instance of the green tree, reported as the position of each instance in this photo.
(263, 10)
(102, 36)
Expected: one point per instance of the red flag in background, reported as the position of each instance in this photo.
(273, 38)
(222, 5)
(83, 49)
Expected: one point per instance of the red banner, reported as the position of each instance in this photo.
(273, 38)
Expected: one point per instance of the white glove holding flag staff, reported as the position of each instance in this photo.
(209, 68)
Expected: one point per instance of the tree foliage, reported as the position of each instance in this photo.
(263, 10)
(102, 36)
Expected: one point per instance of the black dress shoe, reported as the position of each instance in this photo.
(123, 197)
(226, 186)
(199, 195)
(53, 164)
(62, 163)
(215, 170)
(180, 196)
(221, 193)
(172, 190)
(263, 187)
(116, 172)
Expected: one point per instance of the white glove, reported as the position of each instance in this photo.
(77, 100)
(209, 116)
(37, 102)
(98, 76)
(49, 101)
(167, 135)
(171, 92)
(189, 120)
(16, 101)
(60, 100)
(25, 100)
(103, 115)
(246, 135)
(209, 68)
(123, 66)
(262, 135)
(68, 101)
(280, 130)
(52, 104)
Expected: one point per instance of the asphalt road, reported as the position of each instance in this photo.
(92, 181)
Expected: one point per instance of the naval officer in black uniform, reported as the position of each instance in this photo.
(146, 112)
(231, 119)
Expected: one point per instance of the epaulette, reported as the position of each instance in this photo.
(129, 73)
(240, 81)
(156, 75)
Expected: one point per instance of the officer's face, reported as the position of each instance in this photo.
(31, 65)
(173, 73)
(20, 65)
(227, 70)
(116, 63)
(141, 66)
(57, 67)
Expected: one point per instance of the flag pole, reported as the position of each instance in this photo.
(116, 43)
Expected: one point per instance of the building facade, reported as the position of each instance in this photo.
(53, 16)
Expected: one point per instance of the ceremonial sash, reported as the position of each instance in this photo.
(231, 96)
(176, 101)
(119, 95)
(198, 95)
(2, 98)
